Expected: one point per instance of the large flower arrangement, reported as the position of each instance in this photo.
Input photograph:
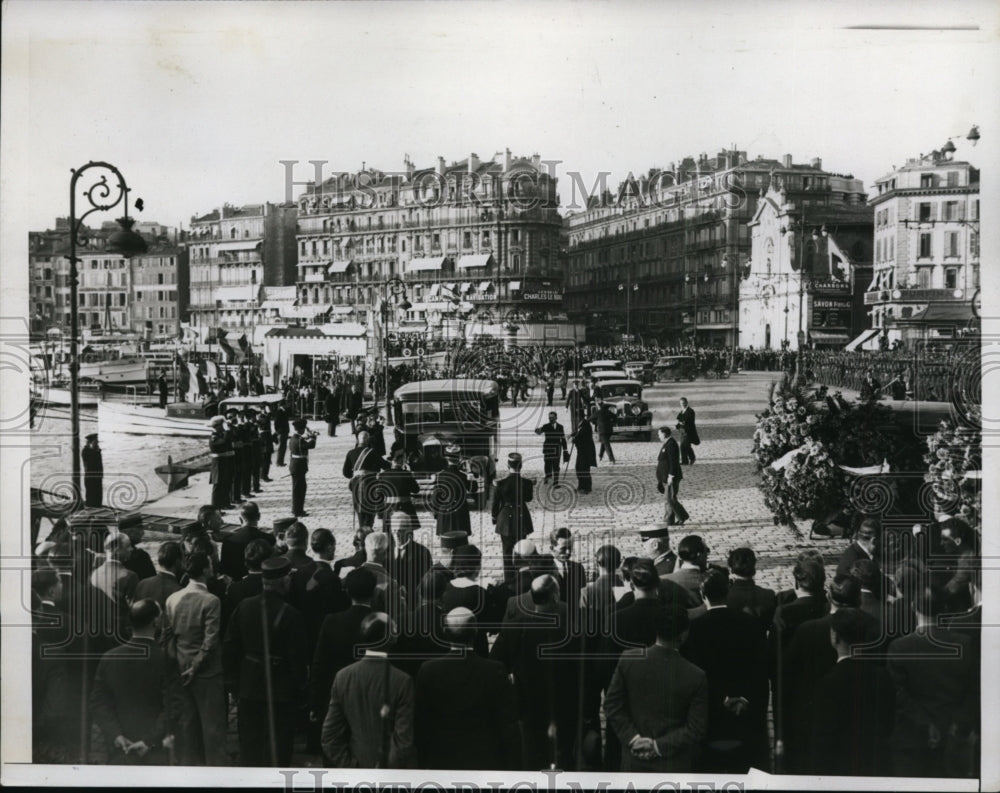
(954, 463)
(805, 435)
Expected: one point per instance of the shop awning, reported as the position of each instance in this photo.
(942, 312)
(465, 287)
(478, 260)
(434, 290)
(449, 287)
(515, 286)
(339, 266)
(343, 310)
(861, 339)
(484, 286)
(275, 304)
(421, 265)
(306, 312)
(236, 294)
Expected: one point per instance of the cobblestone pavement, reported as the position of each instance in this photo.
(719, 490)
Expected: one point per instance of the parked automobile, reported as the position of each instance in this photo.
(676, 367)
(633, 418)
(641, 371)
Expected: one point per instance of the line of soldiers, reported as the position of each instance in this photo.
(240, 446)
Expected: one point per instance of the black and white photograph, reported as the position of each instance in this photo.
(492, 395)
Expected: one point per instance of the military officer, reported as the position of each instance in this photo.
(236, 437)
(93, 472)
(510, 512)
(299, 444)
(266, 440)
(361, 466)
(220, 447)
(656, 545)
(252, 449)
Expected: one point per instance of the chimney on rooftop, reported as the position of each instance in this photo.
(536, 161)
(441, 166)
(817, 163)
(473, 163)
(506, 159)
(787, 161)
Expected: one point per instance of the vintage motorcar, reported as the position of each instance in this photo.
(430, 415)
(607, 374)
(676, 367)
(633, 418)
(601, 366)
(641, 371)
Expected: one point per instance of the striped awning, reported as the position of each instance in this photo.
(478, 260)
(484, 286)
(421, 265)
(465, 287)
(339, 266)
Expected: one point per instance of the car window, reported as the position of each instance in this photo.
(422, 412)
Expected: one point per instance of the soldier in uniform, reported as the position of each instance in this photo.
(399, 487)
(220, 448)
(236, 438)
(656, 545)
(266, 442)
(361, 466)
(281, 431)
(510, 512)
(266, 665)
(299, 445)
(93, 472)
(450, 497)
(252, 448)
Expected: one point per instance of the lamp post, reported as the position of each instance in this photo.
(102, 195)
(628, 288)
(393, 287)
(694, 278)
(799, 226)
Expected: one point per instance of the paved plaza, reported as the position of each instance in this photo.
(719, 491)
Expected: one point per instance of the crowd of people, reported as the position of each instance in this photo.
(392, 655)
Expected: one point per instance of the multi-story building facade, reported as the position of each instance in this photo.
(48, 293)
(810, 264)
(233, 253)
(926, 270)
(160, 284)
(661, 257)
(474, 241)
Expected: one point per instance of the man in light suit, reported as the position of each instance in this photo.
(364, 696)
(191, 640)
(657, 702)
(685, 422)
(669, 476)
(510, 512)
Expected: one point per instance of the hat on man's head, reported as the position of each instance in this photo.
(92, 436)
(217, 420)
(275, 567)
(453, 451)
(454, 539)
(655, 531)
(514, 458)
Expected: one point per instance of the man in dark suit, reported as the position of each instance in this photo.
(316, 590)
(635, 624)
(669, 476)
(576, 404)
(657, 702)
(266, 440)
(132, 700)
(299, 444)
(220, 448)
(266, 632)
(571, 575)
(937, 694)
(854, 707)
(138, 560)
(656, 544)
(864, 545)
(231, 559)
(604, 423)
(361, 467)
(338, 637)
(685, 423)
(450, 498)
(93, 472)
(466, 717)
(369, 723)
(729, 646)
(332, 405)
(809, 657)
(744, 594)
(167, 581)
(250, 584)
(510, 512)
(554, 443)
(545, 680)
(409, 561)
(692, 556)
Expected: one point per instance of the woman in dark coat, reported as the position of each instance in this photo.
(586, 455)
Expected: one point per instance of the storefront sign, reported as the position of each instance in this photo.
(832, 303)
(545, 294)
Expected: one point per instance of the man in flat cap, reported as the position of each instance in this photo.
(656, 545)
(93, 472)
(265, 662)
(449, 499)
(510, 513)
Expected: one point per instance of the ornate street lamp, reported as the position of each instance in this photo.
(394, 288)
(102, 195)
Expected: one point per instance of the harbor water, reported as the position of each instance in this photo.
(130, 479)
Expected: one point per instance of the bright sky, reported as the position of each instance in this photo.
(197, 102)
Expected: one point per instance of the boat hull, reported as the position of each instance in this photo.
(139, 420)
(63, 397)
(132, 370)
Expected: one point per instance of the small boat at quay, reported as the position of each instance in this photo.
(180, 419)
(62, 397)
(128, 369)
